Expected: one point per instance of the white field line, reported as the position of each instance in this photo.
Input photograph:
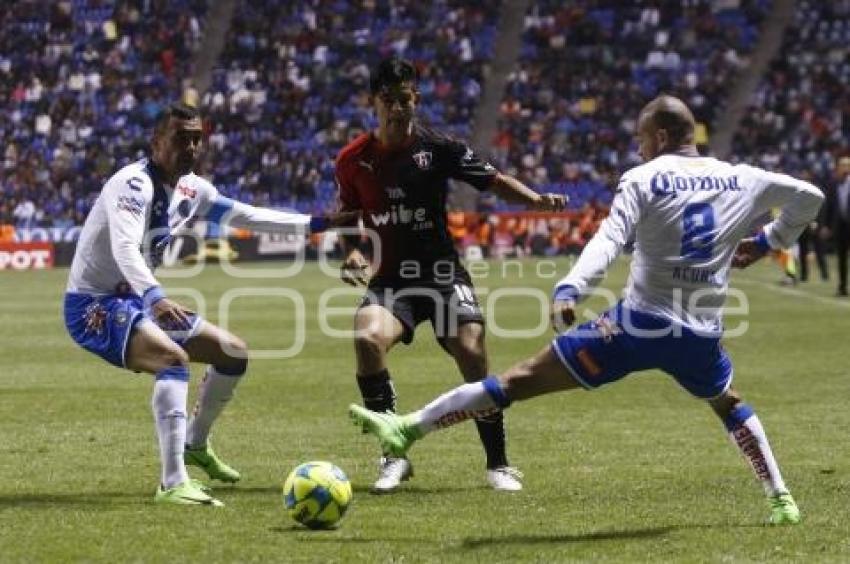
(831, 302)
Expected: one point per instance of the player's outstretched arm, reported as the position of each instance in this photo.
(238, 214)
(512, 190)
(799, 201)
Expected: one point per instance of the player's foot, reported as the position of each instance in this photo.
(393, 432)
(205, 458)
(504, 478)
(392, 472)
(783, 510)
(187, 493)
(201, 486)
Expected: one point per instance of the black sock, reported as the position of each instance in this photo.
(377, 391)
(491, 429)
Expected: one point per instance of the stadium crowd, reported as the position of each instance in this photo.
(290, 88)
(797, 121)
(82, 81)
(587, 67)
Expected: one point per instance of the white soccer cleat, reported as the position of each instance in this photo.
(391, 473)
(504, 478)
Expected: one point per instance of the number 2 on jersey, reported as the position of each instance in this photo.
(698, 232)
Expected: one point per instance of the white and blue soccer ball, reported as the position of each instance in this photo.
(317, 494)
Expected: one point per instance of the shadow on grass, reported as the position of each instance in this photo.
(228, 490)
(52, 501)
(470, 543)
(408, 489)
(621, 534)
(636, 534)
(340, 536)
(231, 489)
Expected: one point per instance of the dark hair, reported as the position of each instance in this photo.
(391, 72)
(177, 110)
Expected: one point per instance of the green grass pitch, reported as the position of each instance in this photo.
(638, 471)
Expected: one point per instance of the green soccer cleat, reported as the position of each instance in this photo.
(393, 432)
(204, 457)
(783, 510)
(187, 493)
(201, 486)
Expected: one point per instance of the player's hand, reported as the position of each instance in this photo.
(825, 232)
(563, 315)
(355, 269)
(343, 218)
(550, 202)
(747, 253)
(170, 315)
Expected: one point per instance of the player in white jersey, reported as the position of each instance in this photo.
(687, 215)
(116, 308)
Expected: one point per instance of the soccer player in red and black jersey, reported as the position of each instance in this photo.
(398, 177)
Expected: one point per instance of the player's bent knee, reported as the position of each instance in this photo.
(235, 361)
(174, 356)
(158, 359)
(235, 347)
(370, 343)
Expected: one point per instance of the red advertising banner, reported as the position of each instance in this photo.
(26, 256)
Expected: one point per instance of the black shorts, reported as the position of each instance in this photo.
(446, 306)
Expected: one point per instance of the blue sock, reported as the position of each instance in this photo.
(494, 389)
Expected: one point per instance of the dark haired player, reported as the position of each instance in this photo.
(398, 176)
(116, 309)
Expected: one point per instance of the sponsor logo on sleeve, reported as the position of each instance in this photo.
(131, 204)
(184, 190)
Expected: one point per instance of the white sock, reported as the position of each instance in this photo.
(464, 402)
(216, 390)
(751, 439)
(169, 413)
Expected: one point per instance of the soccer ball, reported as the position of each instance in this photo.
(316, 494)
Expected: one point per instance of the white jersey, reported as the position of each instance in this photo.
(135, 216)
(686, 216)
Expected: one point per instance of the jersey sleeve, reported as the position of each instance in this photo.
(220, 209)
(348, 199)
(606, 245)
(798, 200)
(127, 202)
(462, 163)
(207, 194)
